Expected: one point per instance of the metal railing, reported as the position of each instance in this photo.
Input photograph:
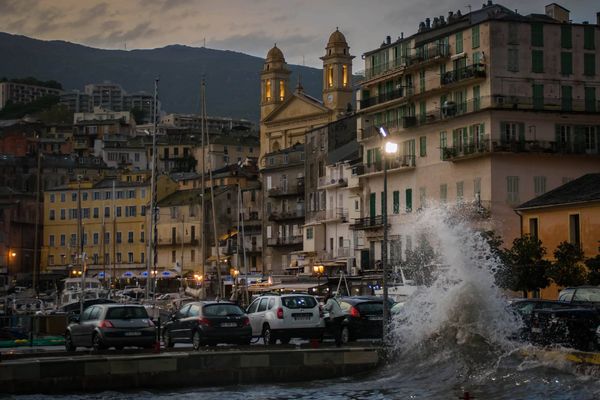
(290, 190)
(461, 74)
(404, 91)
(406, 161)
(375, 221)
(285, 241)
(278, 216)
(338, 213)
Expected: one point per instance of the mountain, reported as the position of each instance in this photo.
(232, 79)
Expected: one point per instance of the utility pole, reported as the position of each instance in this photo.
(154, 194)
(203, 205)
(37, 219)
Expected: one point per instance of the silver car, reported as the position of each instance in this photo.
(110, 325)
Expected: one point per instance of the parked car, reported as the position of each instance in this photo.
(283, 317)
(364, 318)
(525, 309)
(110, 325)
(208, 323)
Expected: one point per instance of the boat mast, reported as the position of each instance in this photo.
(154, 194)
(203, 209)
(37, 218)
(114, 236)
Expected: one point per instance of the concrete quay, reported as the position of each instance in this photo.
(85, 373)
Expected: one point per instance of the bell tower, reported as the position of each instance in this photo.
(337, 73)
(274, 82)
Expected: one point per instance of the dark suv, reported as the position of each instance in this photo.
(364, 318)
(208, 323)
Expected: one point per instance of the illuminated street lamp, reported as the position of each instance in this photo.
(389, 149)
(318, 270)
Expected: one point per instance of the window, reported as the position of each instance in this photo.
(589, 37)
(565, 36)
(443, 193)
(129, 237)
(423, 146)
(107, 212)
(537, 61)
(84, 196)
(130, 258)
(443, 144)
(574, 232)
(512, 189)
(118, 212)
(533, 227)
(118, 237)
(477, 188)
(173, 256)
(538, 96)
(590, 99)
(96, 212)
(563, 136)
(192, 255)
(537, 34)
(95, 237)
(142, 236)
(513, 59)
(50, 260)
(51, 240)
(408, 200)
(52, 198)
(460, 186)
(345, 75)
(396, 202)
(268, 90)
(62, 197)
(590, 139)
(589, 64)
(422, 82)
(63, 240)
(566, 63)
(51, 215)
(539, 185)
(566, 94)
(459, 42)
(330, 76)
(119, 258)
(475, 37)
(74, 196)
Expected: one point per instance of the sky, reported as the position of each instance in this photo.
(299, 27)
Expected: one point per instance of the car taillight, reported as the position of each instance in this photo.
(246, 321)
(354, 312)
(106, 324)
(204, 321)
(280, 313)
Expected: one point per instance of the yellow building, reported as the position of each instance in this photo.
(570, 213)
(284, 116)
(115, 225)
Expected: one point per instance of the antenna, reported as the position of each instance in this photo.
(204, 41)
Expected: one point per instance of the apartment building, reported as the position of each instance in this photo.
(214, 125)
(106, 95)
(77, 102)
(24, 93)
(489, 108)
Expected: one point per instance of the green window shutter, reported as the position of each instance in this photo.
(522, 132)
(369, 157)
(537, 34)
(475, 36)
(538, 96)
(589, 64)
(471, 147)
(590, 99)
(503, 138)
(566, 63)
(422, 111)
(423, 146)
(537, 61)
(459, 42)
(396, 202)
(408, 200)
(579, 139)
(372, 202)
(589, 37)
(565, 36)
(566, 98)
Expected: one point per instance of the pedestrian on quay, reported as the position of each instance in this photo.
(336, 316)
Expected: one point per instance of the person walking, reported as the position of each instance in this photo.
(336, 316)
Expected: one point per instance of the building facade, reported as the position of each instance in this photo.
(23, 93)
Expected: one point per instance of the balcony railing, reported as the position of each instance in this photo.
(280, 216)
(285, 241)
(373, 222)
(343, 252)
(461, 74)
(404, 91)
(290, 190)
(332, 181)
(336, 214)
(407, 161)
(546, 103)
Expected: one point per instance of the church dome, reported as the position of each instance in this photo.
(337, 38)
(275, 54)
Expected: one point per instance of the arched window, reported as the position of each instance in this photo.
(275, 146)
(268, 90)
(330, 76)
(345, 75)
(281, 90)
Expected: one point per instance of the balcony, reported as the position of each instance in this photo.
(287, 215)
(285, 241)
(374, 222)
(336, 214)
(290, 190)
(398, 93)
(544, 104)
(332, 181)
(254, 249)
(474, 71)
(399, 162)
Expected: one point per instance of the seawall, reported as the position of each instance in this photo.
(180, 369)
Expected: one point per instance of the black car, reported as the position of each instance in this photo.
(364, 318)
(525, 308)
(208, 323)
(110, 325)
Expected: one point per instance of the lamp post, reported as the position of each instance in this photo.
(389, 148)
(318, 270)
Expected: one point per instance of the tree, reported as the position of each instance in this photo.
(593, 266)
(56, 114)
(525, 267)
(568, 269)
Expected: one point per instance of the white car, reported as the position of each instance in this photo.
(286, 316)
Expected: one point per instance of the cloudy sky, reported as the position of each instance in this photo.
(299, 27)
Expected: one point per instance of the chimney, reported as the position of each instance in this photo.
(427, 23)
(388, 40)
(442, 20)
(490, 3)
(557, 12)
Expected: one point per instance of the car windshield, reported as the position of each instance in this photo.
(126, 313)
(299, 302)
(370, 308)
(222, 310)
(587, 294)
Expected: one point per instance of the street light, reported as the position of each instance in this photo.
(390, 148)
(318, 270)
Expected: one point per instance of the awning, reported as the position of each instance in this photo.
(214, 258)
(228, 235)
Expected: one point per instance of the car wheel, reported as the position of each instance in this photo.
(168, 340)
(345, 335)
(97, 344)
(285, 340)
(69, 345)
(196, 340)
(268, 337)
